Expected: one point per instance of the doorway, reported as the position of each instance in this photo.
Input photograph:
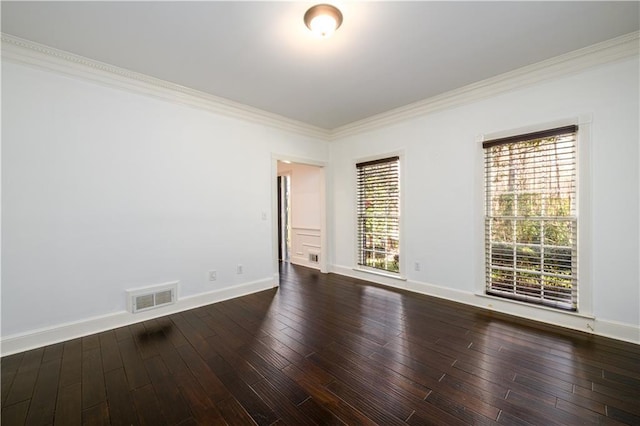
(299, 228)
(284, 216)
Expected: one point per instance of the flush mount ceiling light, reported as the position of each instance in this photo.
(323, 19)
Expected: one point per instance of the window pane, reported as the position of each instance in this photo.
(528, 258)
(558, 233)
(557, 261)
(528, 284)
(527, 231)
(502, 254)
(502, 280)
(502, 230)
(379, 214)
(530, 218)
(529, 204)
(503, 204)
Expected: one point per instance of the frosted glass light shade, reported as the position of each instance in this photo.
(323, 19)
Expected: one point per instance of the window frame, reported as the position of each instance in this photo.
(357, 246)
(576, 247)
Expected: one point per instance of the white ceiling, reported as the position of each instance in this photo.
(385, 55)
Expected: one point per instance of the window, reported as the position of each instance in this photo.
(530, 218)
(379, 214)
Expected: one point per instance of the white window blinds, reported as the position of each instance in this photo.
(530, 219)
(378, 194)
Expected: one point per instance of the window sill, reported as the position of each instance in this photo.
(381, 273)
(535, 306)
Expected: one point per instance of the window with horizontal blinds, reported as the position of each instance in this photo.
(378, 195)
(530, 219)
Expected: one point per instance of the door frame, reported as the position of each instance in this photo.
(274, 210)
(284, 216)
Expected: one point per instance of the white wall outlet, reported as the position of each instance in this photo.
(416, 266)
(264, 215)
(239, 269)
(213, 275)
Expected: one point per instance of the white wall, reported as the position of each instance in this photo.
(105, 190)
(443, 201)
(306, 211)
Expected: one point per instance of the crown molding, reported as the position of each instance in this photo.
(23, 51)
(608, 51)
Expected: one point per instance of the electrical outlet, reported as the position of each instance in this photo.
(416, 266)
(264, 215)
(213, 275)
(239, 269)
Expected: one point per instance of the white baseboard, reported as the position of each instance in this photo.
(585, 323)
(62, 332)
(618, 330)
(304, 262)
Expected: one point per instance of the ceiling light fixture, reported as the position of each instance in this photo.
(323, 19)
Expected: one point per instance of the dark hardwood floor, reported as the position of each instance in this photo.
(325, 349)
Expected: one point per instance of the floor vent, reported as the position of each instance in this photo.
(143, 299)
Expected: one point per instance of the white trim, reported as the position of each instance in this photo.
(324, 213)
(71, 330)
(354, 190)
(618, 330)
(310, 245)
(371, 276)
(499, 299)
(275, 157)
(608, 51)
(379, 272)
(571, 320)
(289, 159)
(306, 263)
(26, 52)
(401, 182)
(584, 194)
(584, 203)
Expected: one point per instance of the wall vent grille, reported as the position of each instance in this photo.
(143, 299)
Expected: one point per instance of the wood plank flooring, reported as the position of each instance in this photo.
(326, 350)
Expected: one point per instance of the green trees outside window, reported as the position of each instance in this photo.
(530, 222)
(378, 195)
